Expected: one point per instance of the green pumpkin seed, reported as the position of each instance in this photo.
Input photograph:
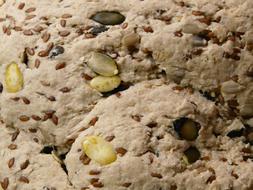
(105, 84)
(191, 155)
(108, 18)
(186, 128)
(102, 64)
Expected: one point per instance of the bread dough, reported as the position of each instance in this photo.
(153, 150)
(25, 167)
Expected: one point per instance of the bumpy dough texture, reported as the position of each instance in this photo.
(202, 46)
(21, 158)
(158, 149)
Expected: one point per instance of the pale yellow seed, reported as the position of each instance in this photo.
(102, 64)
(105, 84)
(13, 78)
(99, 150)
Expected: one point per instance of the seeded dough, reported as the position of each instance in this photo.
(167, 41)
(157, 149)
(201, 45)
(21, 160)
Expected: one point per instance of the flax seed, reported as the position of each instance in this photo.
(94, 172)
(65, 90)
(156, 175)
(32, 9)
(17, 28)
(8, 32)
(29, 17)
(43, 53)
(24, 118)
(148, 29)
(89, 36)
(205, 20)
(51, 98)
(198, 13)
(98, 184)
(21, 6)
(35, 117)
(14, 136)
(178, 34)
(86, 76)
(30, 51)
(121, 151)
(64, 33)
(55, 119)
(84, 159)
(109, 138)
(45, 37)
(93, 121)
(63, 23)
(124, 26)
(25, 100)
(136, 118)
(5, 183)
(49, 113)
(24, 165)
(37, 63)
(60, 66)
(23, 179)
(66, 16)
(152, 125)
(126, 184)
(38, 29)
(12, 146)
(5, 29)
(50, 46)
(27, 32)
(11, 162)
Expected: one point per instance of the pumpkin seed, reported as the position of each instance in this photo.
(191, 155)
(105, 84)
(108, 18)
(102, 64)
(99, 150)
(13, 78)
(186, 128)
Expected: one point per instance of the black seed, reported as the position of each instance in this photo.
(235, 133)
(192, 154)
(186, 128)
(48, 149)
(57, 50)
(98, 29)
(1, 87)
(108, 18)
(123, 86)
